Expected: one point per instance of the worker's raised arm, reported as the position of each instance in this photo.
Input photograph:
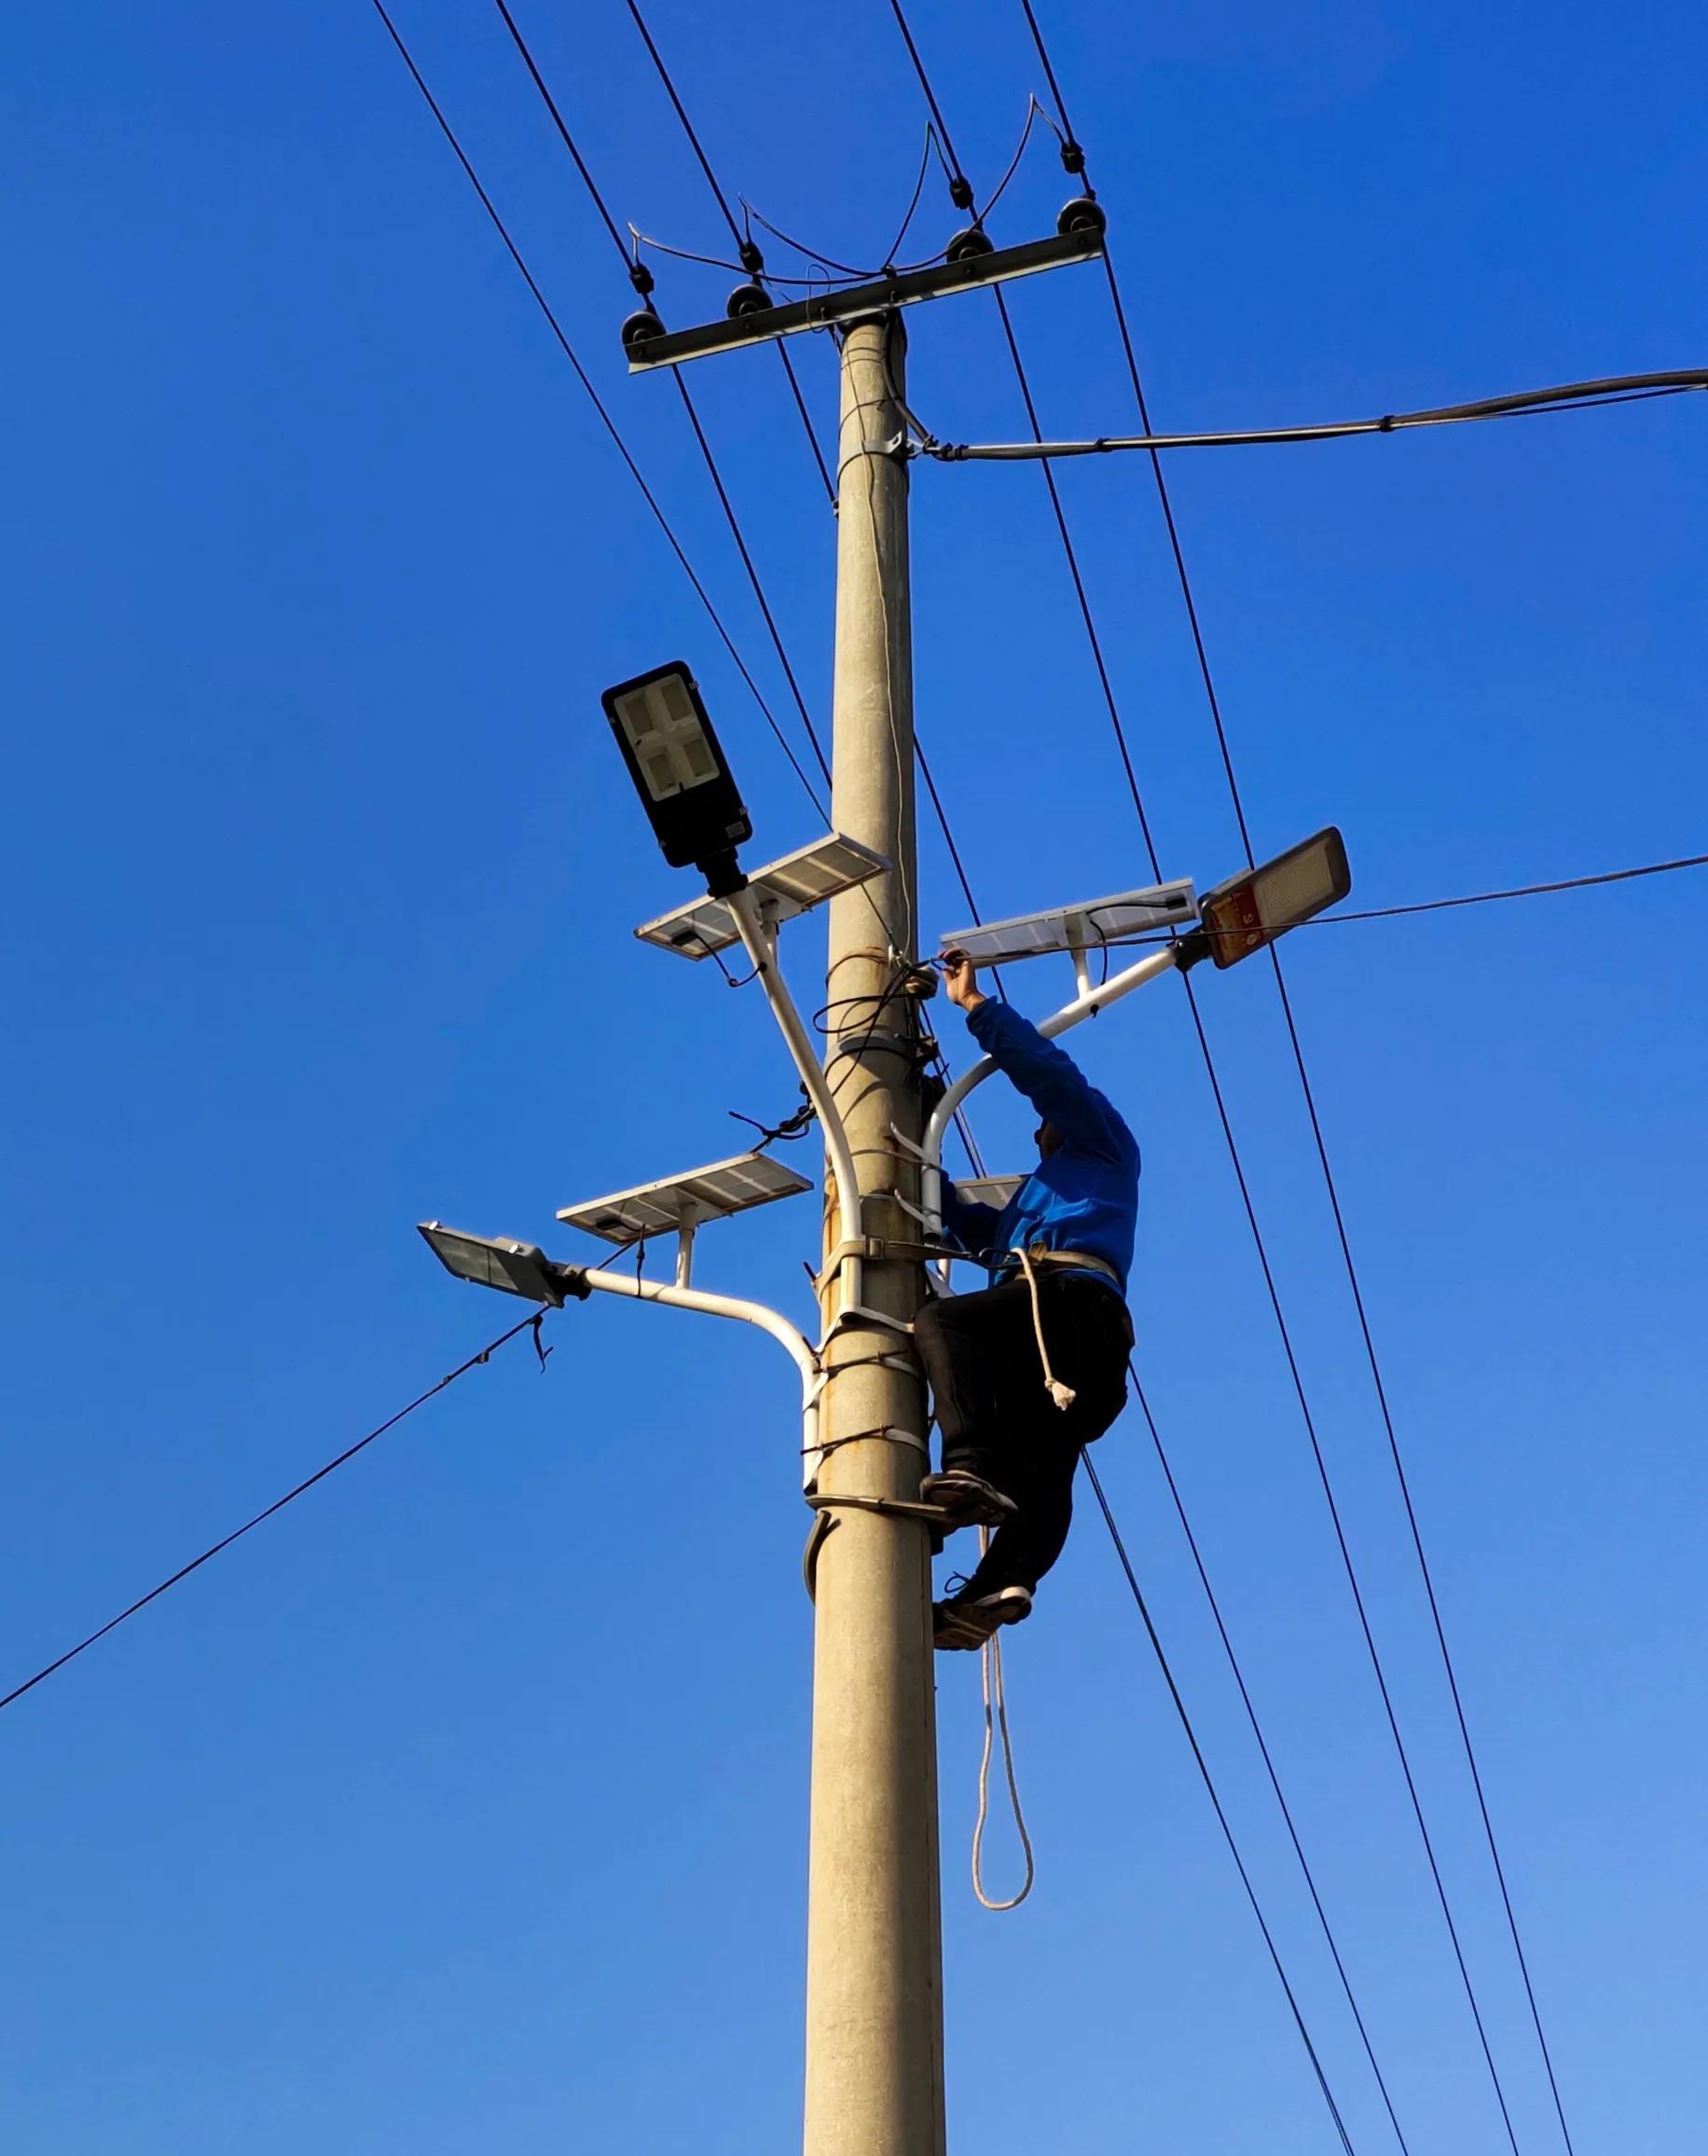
(1051, 1080)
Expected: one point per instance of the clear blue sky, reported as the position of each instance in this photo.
(463, 1807)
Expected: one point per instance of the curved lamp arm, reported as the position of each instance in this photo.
(789, 1337)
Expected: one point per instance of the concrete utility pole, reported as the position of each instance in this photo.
(874, 1952)
(875, 1926)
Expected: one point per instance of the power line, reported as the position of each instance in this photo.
(642, 280)
(532, 1321)
(1565, 397)
(1214, 709)
(1445, 905)
(1221, 1816)
(597, 402)
(1120, 732)
(751, 260)
(1269, 1764)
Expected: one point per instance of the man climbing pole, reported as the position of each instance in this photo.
(1027, 1370)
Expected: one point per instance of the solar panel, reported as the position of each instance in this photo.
(794, 885)
(679, 1201)
(992, 1190)
(1082, 926)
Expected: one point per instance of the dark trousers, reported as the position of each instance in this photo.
(997, 1417)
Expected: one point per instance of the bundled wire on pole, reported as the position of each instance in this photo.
(1571, 396)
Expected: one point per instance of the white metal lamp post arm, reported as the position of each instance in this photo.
(789, 1337)
(760, 944)
(1084, 1006)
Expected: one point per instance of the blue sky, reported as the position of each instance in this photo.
(464, 1806)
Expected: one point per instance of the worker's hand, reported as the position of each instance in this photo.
(960, 979)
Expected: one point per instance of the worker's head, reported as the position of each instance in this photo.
(1049, 1139)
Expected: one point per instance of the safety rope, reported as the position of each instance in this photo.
(995, 1719)
(1063, 1395)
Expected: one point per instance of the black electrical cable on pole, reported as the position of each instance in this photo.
(1221, 1816)
(1381, 1388)
(596, 401)
(483, 1355)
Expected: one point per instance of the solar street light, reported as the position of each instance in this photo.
(1253, 908)
(1082, 926)
(684, 784)
(782, 889)
(495, 1261)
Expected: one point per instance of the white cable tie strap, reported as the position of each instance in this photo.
(860, 1310)
(1063, 1395)
(996, 1694)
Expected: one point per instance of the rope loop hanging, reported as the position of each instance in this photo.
(993, 1689)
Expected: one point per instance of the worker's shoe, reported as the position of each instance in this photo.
(966, 1620)
(965, 1500)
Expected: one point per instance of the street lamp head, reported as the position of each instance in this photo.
(1253, 908)
(496, 1262)
(678, 771)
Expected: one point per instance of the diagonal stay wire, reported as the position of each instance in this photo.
(532, 1321)
(1262, 1744)
(597, 402)
(1221, 1816)
(1214, 703)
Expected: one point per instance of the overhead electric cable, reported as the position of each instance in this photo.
(1221, 1816)
(643, 283)
(961, 187)
(1262, 1744)
(1120, 732)
(530, 1322)
(1565, 397)
(597, 402)
(1445, 905)
(1214, 709)
(749, 254)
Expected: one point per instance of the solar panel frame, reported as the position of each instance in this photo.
(1087, 924)
(721, 1188)
(792, 885)
(991, 1190)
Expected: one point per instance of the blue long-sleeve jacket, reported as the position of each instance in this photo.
(1085, 1196)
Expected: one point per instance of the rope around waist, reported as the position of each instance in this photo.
(1047, 1259)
